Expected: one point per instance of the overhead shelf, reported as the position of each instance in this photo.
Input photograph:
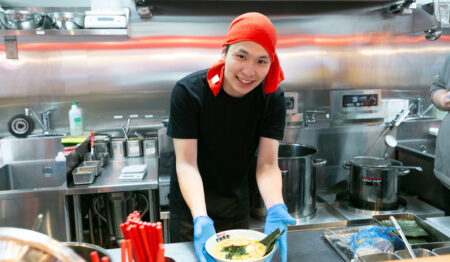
(59, 32)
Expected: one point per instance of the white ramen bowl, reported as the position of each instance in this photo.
(235, 233)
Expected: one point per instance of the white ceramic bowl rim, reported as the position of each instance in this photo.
(235, 233)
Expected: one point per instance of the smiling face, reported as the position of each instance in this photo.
(246, 65)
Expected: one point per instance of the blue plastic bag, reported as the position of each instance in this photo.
(372, 241)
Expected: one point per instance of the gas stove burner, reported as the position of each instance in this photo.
(343, 201)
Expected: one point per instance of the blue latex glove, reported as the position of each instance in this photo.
(278, 217)
(203, 230)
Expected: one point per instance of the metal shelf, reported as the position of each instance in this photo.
(59, 32)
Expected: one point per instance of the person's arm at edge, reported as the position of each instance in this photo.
(189, 179)
(268, 175)
(441, 99)
(438, 93)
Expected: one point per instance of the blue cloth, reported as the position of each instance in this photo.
(278, 217)
(203, 230)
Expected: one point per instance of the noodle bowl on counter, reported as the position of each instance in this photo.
(237, 245)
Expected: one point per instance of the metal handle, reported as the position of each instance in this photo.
(418, 168)
(346, 164)
(403, 172)
(319, 162)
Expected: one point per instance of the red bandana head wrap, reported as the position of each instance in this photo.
(257, 28)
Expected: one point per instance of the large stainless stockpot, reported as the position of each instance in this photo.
(296, 164)
(374, 182)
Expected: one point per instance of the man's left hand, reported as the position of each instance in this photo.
(278, 217)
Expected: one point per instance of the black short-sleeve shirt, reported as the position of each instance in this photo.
(227, 130)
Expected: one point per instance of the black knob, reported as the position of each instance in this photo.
(372, 101)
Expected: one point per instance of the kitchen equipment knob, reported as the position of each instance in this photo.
(372, 101)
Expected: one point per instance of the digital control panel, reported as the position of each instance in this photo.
(360, 100)
(356, 105)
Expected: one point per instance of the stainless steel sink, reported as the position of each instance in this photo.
(30, 188)
(32, 182)
(425, 147)
(32, 175)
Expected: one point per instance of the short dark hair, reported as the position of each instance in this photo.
(226, 49)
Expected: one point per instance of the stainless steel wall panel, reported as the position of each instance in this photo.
(340, 144)
(30, 149)
(319, 52)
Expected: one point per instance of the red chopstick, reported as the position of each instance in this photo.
(155, 241)
(160, 255)
(105, 259)
(159, 233)
(123, 227)
(129, 251)
(135, 242)
(145, 237)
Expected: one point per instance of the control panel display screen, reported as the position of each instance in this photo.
(105, 19)
(359, 100)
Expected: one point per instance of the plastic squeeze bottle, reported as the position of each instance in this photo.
(75, 120)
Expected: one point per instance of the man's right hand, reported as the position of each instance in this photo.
(445, 100)
(203, 230)
(441, 99)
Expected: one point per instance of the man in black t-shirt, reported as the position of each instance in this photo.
(219, 118)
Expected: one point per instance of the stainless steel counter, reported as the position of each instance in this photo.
(306, 244)
(325, 216)
(413, 205)
(108, 180)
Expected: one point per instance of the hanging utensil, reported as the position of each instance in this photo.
(399, 118)
(128, 125)
(391, 142)
(399, 230)
(125, 132)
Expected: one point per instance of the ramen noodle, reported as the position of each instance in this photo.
(239, 249)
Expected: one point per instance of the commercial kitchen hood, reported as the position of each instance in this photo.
(269, 7)
(423, 20)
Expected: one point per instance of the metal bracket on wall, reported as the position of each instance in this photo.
(11, 47)
(144, 8)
